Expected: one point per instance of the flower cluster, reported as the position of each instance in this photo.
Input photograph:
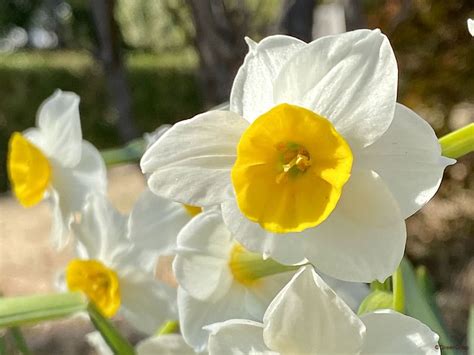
(274, 214)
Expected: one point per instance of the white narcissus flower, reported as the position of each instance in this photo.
(315, 160)
(154, 225)
(53, 161)
(167, 344)
(470, 26)
(109, 269)
(219, 280)
(307, 317)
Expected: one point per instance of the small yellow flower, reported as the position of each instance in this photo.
(97, 281)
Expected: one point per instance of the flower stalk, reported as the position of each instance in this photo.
(16, 311)
(458, 143)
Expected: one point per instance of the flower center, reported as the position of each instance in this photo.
(294, 159)
(192, 210)
(97, 281)
(247, 267)
(29, 170)
(290, 169)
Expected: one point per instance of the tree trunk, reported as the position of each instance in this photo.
(355, 16)
(112, 63)
(220, 45)
(297, 19)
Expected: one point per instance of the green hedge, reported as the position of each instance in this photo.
(164, 90)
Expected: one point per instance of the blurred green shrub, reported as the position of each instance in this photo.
(164, 90)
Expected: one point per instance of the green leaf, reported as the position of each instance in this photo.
(458, 143)
(376, 300)
(419, 307)
(20, 341)
(111, 335)
(15, 311)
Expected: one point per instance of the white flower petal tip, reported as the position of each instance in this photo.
(390, 332)
(408, 159)
(251, 44)
(470, 26)
(191, 162)
(237, 336)
(319, 321)
(59, 121)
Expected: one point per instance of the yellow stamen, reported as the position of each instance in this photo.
(99, 283)
(192, 210)
(29, 170)
(290, 169)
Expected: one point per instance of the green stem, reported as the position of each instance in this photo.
(398, 291)
(170, 327)
(17, 311)
(116, 342)
(132, 151)
(458, 143)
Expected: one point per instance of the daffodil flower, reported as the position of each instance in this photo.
(315, 159)
(53, 161)
(307, 317)
(219, 279)
(110, 270)
(167, 344)
(154, 225)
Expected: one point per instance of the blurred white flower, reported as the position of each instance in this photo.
(307, 317)
(470, 26)
(52, 161)
(220, 280)
(168, 344)
(154, 225)
(110, 268)
(315, 160)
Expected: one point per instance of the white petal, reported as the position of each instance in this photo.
(98, 343)
(167, 344)
(146, 303)
(352, 293)
(237, 337)
(390, 332)
(194, 314)
(252, 91)
(155, 222)
(308, 317)
(260, 294)
(201, 265)
(60, 221)
(36, 136)
(58, 119)
(470, 26)
(101, 230)
(408, 158)
(72, 185)
(285, 248)
(349, 78)
(191, 162)
(364, 237)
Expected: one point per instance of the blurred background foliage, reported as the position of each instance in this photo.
(179, 57)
